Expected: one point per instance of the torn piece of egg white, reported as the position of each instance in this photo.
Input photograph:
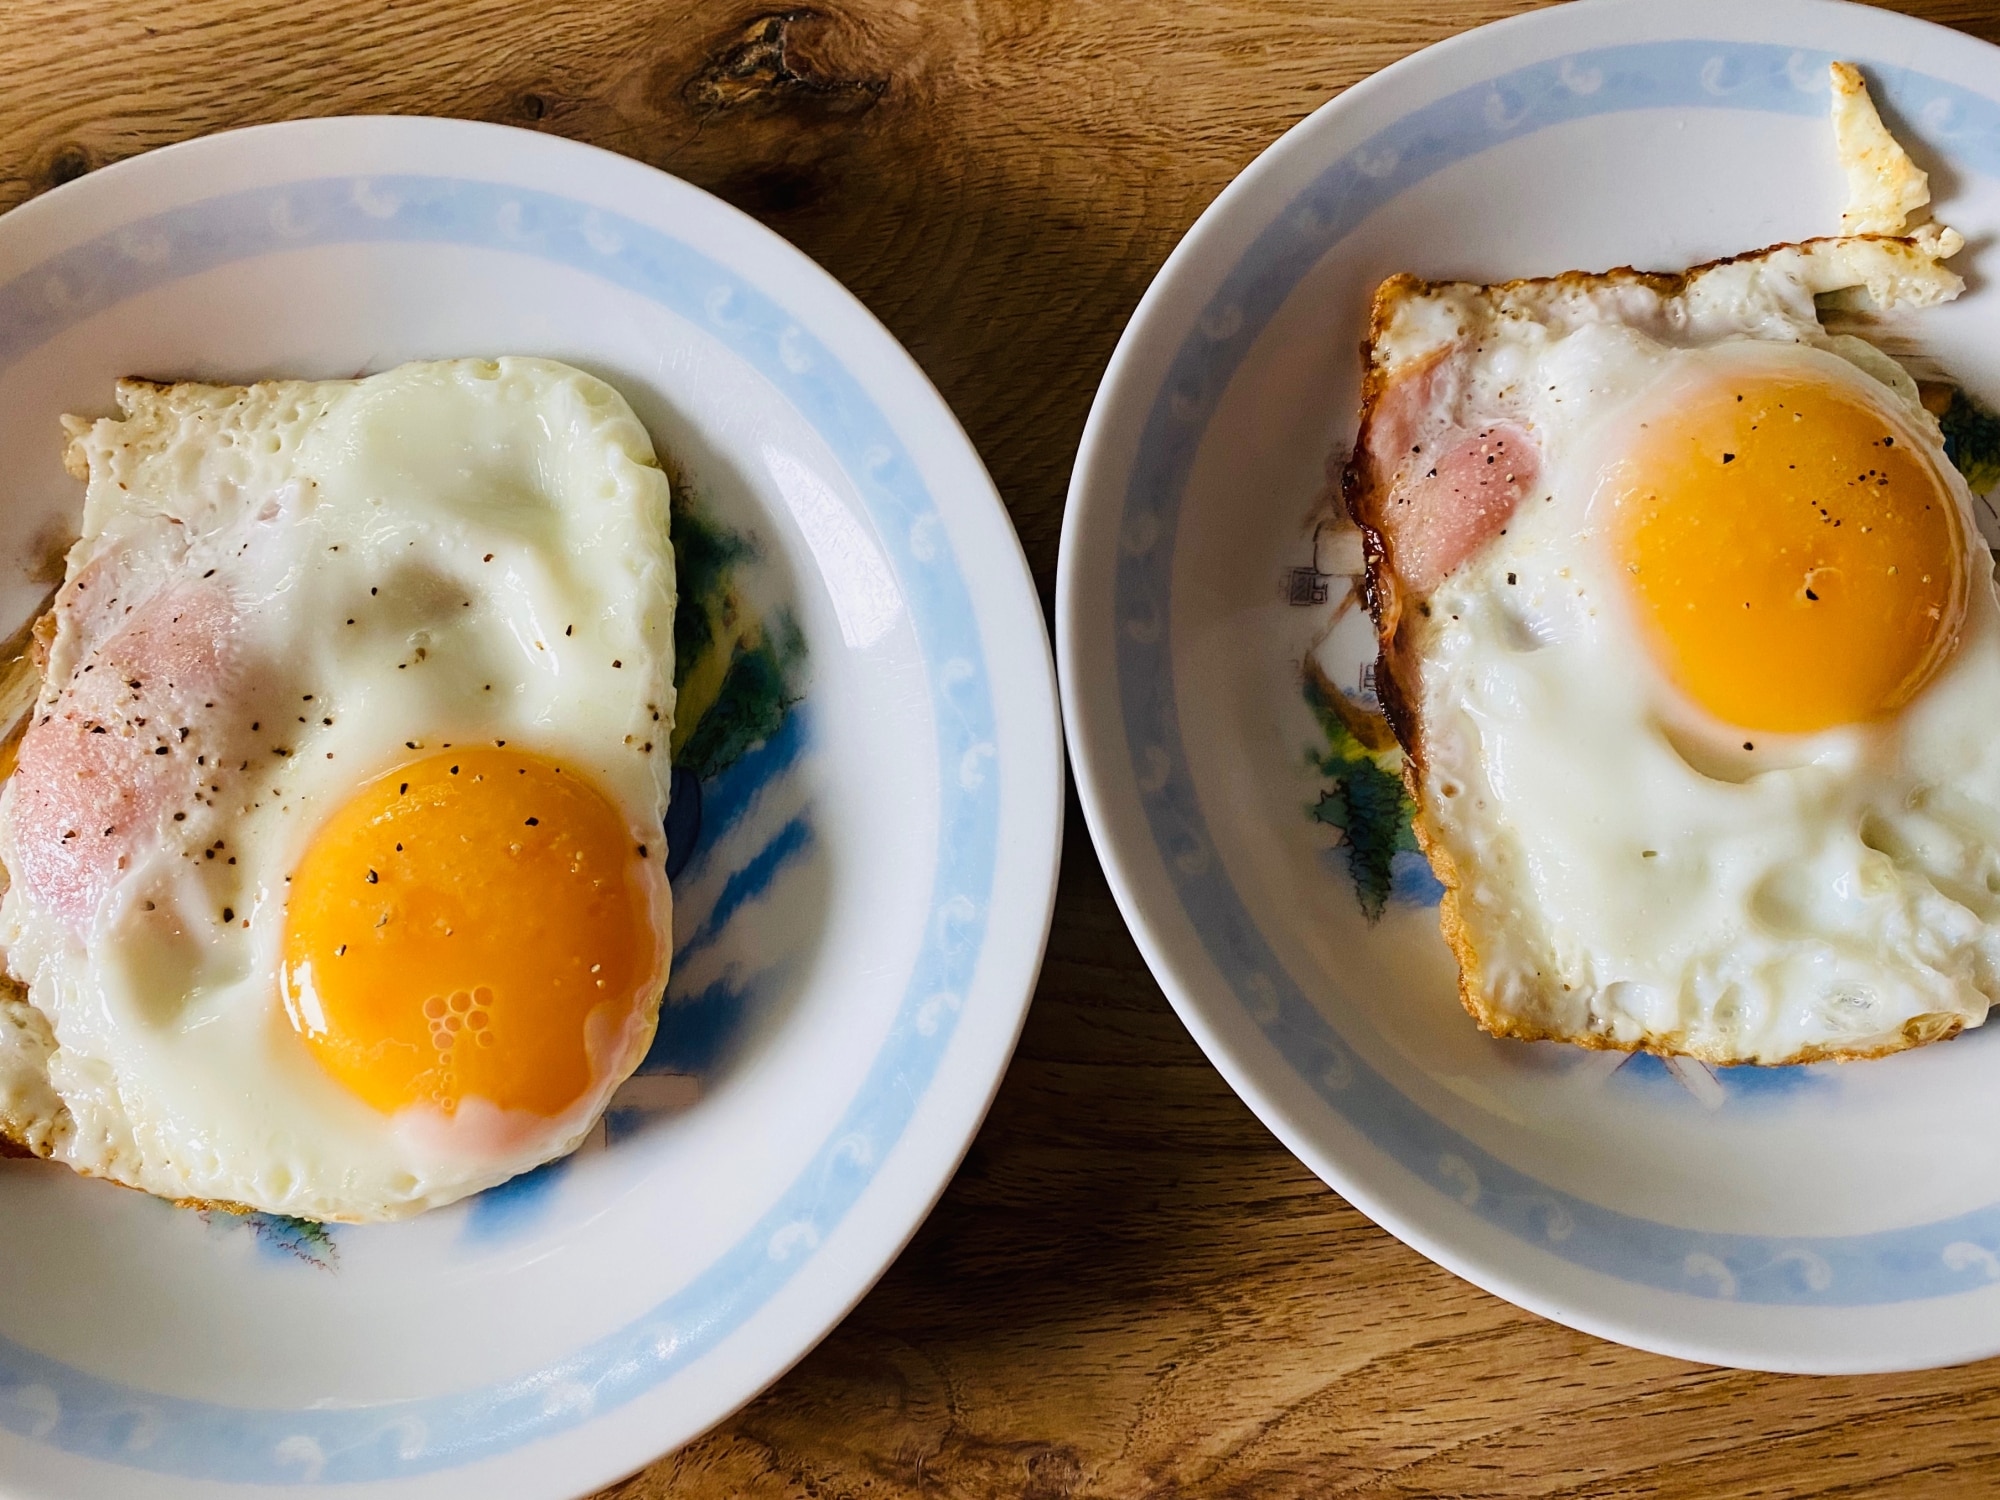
(1885, 191)
(334, 846)
(1884, 187)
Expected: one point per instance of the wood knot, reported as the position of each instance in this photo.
(1053, 1474)
(764, 67)
(65, 164)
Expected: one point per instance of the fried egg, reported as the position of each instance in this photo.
(1693, 643)
(336, 867)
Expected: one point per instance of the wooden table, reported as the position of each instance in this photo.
(1130, 1289)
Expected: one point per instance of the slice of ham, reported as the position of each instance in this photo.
(1454, 493)
(105, 766)
(1439, 492)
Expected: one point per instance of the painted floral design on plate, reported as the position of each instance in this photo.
(279, 1237)
(1355, 763)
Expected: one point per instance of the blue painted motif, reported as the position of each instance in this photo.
(753, 880)
(729, 796)
(1932, 1260)
(1736, 1085)
(280, 1237)
(1411, 882)
(519, 1203)
(705, 1024)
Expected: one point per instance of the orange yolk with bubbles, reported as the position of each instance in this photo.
(475, 925)
(1795, 558)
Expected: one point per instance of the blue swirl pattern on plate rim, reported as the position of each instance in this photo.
(54, 1404)
(1931, 1260)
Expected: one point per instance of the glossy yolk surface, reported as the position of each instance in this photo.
(1795, 559)
(473, 925)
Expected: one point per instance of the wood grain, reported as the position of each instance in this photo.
(1130, 1289)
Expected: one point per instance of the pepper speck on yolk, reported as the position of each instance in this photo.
(474, 925)
(1796, 560)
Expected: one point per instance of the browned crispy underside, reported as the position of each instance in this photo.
(14, 1134)
(22, 659)
(1400, 688)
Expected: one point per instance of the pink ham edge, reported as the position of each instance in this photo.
(1450, 494)
(86, 802)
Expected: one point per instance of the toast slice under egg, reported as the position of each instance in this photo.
(1439, 466)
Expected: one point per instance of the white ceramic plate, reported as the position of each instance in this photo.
(856, 939)
(1822, 1218)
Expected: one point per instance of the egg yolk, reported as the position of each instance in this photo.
(1795, 559)
(474, 925)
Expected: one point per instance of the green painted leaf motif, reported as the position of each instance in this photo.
(304, 1240)
(757, 691)
(736, 675)
(1376, 823)
(1406, 811)
(705, 558)
(1365, 801)
(1331, 809)
(1972, 440)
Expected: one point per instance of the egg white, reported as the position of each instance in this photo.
(1628, 873)
(454, 552)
